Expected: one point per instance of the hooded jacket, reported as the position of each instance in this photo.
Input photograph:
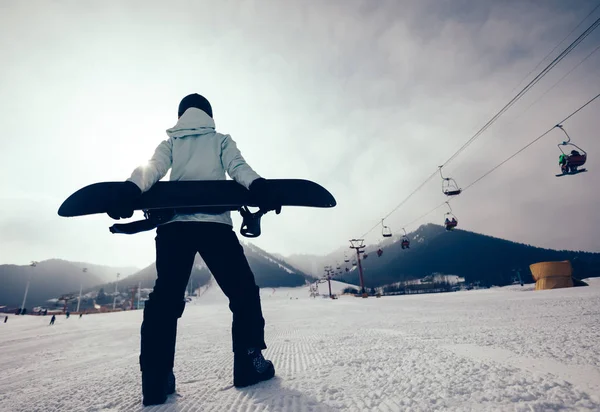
(195, 151)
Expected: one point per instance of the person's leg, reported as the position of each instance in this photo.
(175, 253)
(224, 256)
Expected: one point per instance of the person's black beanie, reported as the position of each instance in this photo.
(197, 101)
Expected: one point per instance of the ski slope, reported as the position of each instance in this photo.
(509, 349)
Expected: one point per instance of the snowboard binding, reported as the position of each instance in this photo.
(153, 218)
(250, 222)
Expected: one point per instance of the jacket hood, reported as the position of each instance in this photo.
(192, 123)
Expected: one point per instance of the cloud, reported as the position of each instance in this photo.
(364, 97)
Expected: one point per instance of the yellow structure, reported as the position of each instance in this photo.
(552, 275)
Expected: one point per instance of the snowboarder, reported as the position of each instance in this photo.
(52, 319)
(195, 151)
(563, 162)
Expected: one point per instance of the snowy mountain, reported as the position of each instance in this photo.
(106, 273)
(313, 264)
(146, 277)
(49, 279)
(269, 271)
(476, 257)
(272, 272)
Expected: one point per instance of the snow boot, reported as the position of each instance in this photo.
(170, 383)
(159, 333)
(154, 388)
(250, 367)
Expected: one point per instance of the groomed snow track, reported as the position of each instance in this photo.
(498, 349)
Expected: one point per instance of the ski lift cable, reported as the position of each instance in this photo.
(556, 47)
(406, 199)
(528, 87)
(532, 142)
(557, 82)
(561, 79)
(426, 214)
(518, 96)
(422, 216)
(505, 161)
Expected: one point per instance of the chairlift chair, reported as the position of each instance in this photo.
(570, 162)
(385, 230)
(450, 221)
(449, 185)
(405, 243)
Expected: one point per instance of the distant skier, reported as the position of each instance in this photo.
(80, 315)
(52, 319)
(5, 319)
(195, 151)
(68, 314)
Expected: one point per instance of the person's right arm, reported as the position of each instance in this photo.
(157, 167)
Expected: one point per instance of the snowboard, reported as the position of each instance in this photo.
(572, 173)
(194, 196)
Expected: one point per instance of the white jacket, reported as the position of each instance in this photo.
(195, 151)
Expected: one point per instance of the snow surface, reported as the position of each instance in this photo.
(509, 348)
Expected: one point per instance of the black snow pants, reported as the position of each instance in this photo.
(176, 246)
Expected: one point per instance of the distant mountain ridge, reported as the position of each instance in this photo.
(474, 256)
(107, 273)
(49, 279)
(314, 264)
(269, 271)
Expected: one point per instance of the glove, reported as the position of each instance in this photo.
(121, 205)
(266, 198)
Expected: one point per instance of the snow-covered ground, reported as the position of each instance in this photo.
(499, 349)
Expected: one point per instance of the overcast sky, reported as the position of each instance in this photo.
(363, 97)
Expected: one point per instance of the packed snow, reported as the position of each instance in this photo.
(509, 348)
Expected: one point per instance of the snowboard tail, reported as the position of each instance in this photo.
(572, 173)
